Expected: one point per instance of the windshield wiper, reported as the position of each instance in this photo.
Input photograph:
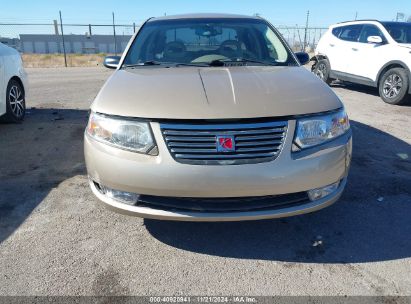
(150, 62)
(167, 64)
(213, 63)
(191, 64)
(245, 60)
(222, 62)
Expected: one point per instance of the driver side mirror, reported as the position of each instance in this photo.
(111, 62)
(302, 57)
(374, 39)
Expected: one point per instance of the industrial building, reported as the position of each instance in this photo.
(79, 44)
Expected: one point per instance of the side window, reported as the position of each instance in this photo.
(275, 47)
(370, 30)
(350, 32)
(337, 31)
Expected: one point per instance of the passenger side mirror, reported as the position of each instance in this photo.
(302, 57)
(112, 62)
(374, 39)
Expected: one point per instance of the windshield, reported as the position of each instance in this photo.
(204, 41)
(400, 32)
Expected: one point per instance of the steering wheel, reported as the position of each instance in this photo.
(230, 48)
(174, 50)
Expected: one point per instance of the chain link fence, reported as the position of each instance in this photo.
(302, 38)
(101, 39)
(43, 38)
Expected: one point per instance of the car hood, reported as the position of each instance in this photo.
(214, 93)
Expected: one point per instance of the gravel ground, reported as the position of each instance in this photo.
(56, 240)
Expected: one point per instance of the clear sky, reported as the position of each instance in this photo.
(284, 12)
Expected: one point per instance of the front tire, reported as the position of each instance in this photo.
(322, 70)
(393, 86)
(15, 102)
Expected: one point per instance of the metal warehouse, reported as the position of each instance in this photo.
(80, 44)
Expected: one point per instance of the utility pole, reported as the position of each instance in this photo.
(356, 15)
(305, 32)
(62, 36)
(115, 38)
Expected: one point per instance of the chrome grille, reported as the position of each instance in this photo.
(197, 143)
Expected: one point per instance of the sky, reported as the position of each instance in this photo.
(284, 12)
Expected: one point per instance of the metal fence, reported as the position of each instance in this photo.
(302, 38)
(72, 38)
(49, 38)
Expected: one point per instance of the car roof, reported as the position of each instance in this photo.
(360, 21)
(203, 16)
(395, 22)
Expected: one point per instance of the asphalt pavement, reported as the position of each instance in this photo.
(56, 239)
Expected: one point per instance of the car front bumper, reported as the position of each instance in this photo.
(162, 176)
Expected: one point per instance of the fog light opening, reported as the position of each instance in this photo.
(97, 185)
(124, 197)
(316, 194)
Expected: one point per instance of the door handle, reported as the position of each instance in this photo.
(332, 44)
(354, 49)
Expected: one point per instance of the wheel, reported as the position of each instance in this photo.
(15, 102)
(393, 86)
(322, 70)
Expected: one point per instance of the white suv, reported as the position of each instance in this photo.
(368, 52)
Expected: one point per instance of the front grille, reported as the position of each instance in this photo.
(197, 143)
(233, 204)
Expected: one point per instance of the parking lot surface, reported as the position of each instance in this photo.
(55, 239)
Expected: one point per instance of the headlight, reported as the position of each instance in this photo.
(319, 129)
(124, 134)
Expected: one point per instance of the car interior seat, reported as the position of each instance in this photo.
(396, 34)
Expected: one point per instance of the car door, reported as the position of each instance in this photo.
(347, 36)
(367, 58)
(2, 82)
(332, 47)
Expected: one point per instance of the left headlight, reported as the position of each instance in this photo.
(129, 135)
(316, 130)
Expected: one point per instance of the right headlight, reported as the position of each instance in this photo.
(126, 134)
(316, 130)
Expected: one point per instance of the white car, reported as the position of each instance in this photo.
(368, 52)
(13, 85)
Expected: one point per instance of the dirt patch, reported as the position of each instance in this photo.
(57, 60)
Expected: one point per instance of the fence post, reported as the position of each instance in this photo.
(62, 36)
(299, 37)
(293, 40)
(305, 32)
(115, 39)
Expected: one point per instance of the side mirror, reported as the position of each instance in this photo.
(374, 39)
(111, 62)
(302, 57)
